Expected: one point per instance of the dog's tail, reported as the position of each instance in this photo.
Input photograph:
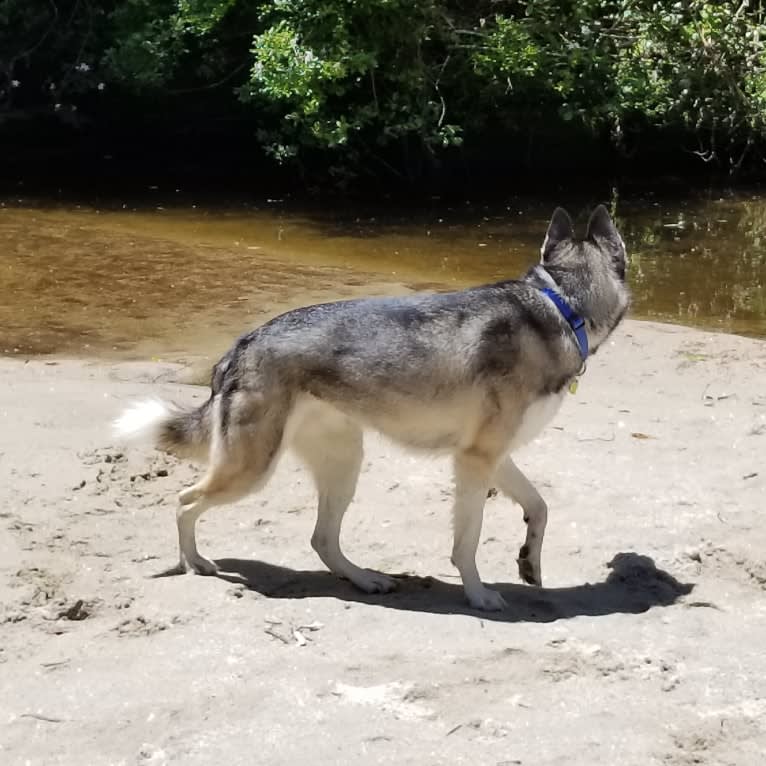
(185, 433)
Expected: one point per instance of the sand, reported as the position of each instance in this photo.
(647, 644)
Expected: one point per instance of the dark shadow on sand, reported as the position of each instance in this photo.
(633, 586)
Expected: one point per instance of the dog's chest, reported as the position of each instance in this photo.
(536, 417)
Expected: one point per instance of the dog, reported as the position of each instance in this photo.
(473, 374)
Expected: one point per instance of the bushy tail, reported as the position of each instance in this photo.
(185, 433)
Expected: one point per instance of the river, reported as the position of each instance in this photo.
(176, 280)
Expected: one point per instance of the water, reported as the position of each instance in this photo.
(183, 281)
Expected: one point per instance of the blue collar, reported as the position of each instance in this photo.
(574, 320)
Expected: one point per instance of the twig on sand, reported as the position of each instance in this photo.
(596, 438)
(274, 633)
(312, 626)
(41, 717)
(56, 664)
(702, 604)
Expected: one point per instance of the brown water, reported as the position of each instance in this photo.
(184, 281)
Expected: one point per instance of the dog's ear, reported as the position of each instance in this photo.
(601, 230)
(559, 229)
(601, 226)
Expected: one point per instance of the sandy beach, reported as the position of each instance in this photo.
(647, 644)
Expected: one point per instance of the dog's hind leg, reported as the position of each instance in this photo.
(242, 460)
(331, 446)
(512, 482)
(472, 475)
(236, 487)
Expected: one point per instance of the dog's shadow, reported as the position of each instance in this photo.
(633, 586)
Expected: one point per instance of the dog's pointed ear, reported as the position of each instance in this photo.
(603, 233)
(601, 226)
(559, 229)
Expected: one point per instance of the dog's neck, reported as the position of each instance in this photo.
(570, 316)
(599, 328)
(544, 276)
(539, 276)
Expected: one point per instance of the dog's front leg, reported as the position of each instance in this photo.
(512, 482)
(472, 474)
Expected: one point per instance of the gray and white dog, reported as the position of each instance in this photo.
(474, 374)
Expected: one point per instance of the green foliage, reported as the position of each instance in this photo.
(354, 75)
(372, 84)
(201, 17)
(148, 44)
(345, 70)
(623, 65)
(168, 43)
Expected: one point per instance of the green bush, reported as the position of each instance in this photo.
(373, 84)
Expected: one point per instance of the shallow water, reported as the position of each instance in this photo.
(183, 281)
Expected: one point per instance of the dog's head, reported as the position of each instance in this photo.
(591, 271)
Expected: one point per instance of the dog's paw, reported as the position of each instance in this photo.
(371, 581)
(527, 570)
(179, 569)
(202, 566)
(486, 600)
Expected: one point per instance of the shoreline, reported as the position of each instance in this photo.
(205, 355)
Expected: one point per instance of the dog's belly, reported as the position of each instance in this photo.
(446, 427)
(441, 426)
(427, 431)
(436, 427)
(535, 418)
